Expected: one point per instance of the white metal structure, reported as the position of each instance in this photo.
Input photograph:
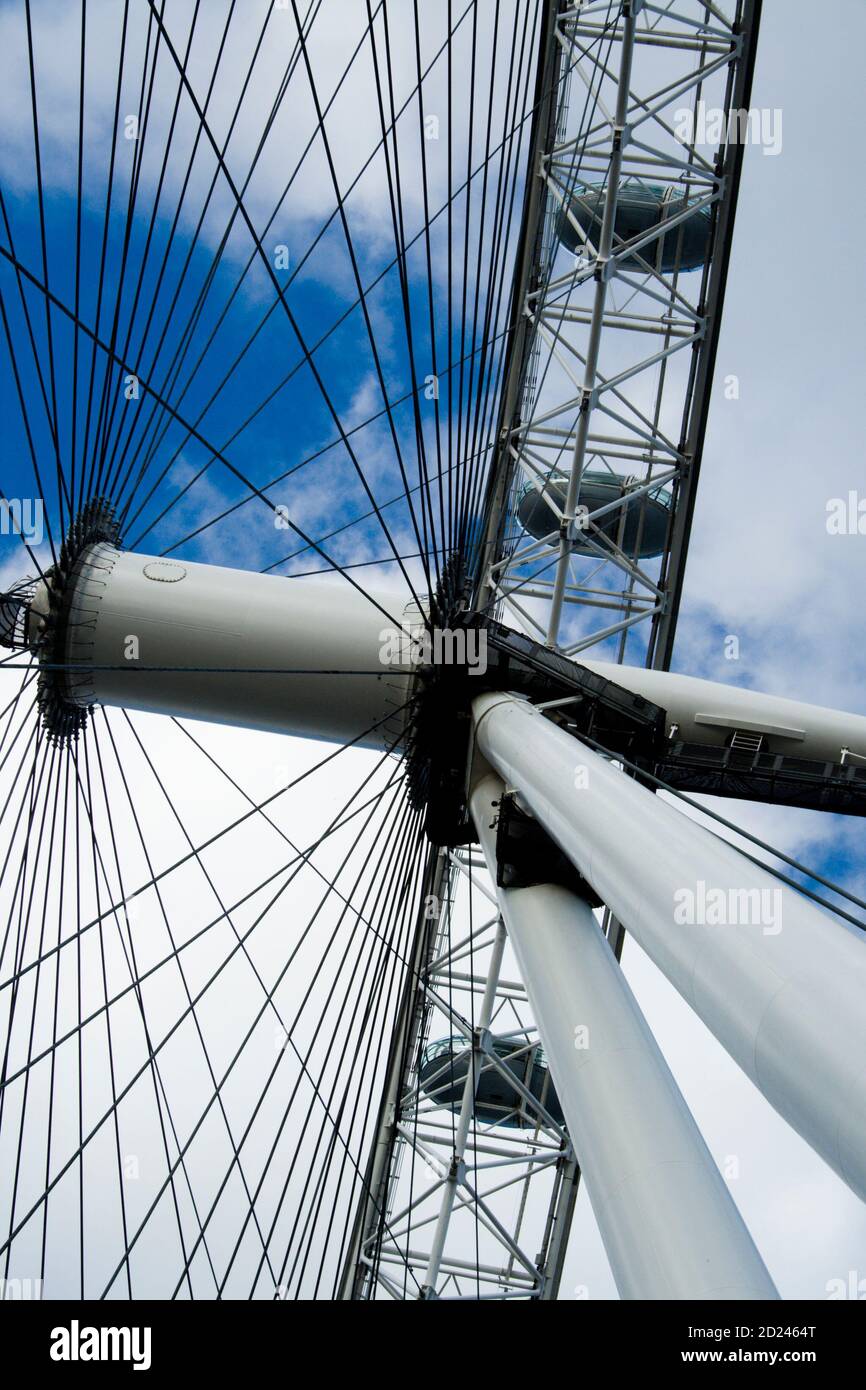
(277, 651)
(764, 981)
(614, 372)
(421, 1125)
(668, 1221)
(609, 371)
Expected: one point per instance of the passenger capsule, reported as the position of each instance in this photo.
(443, 1072)
(639, 208)
(639, 527)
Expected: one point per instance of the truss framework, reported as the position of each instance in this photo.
(609, 369)
(620, 337)
(455, 1182)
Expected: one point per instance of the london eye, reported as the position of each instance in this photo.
(418, 881)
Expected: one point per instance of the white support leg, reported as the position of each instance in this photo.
(780, 983)
(668, 1222)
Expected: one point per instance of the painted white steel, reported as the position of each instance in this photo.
(190, 615)
(708, 712)
(669, 1224)
(780, 983)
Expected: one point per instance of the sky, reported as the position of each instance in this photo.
(762, 565)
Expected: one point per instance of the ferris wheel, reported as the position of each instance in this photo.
(357, 367)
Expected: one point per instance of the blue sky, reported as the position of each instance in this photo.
(296, 423)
